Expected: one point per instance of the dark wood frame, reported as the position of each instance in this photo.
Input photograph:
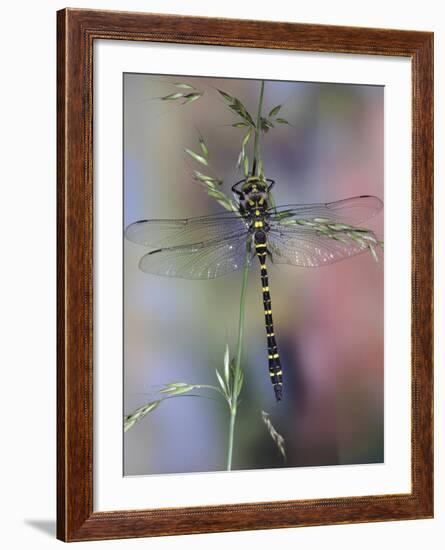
(77, 30)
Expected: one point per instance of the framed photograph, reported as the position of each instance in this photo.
(245, 229)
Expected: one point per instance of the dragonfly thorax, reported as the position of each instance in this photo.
(255, 202)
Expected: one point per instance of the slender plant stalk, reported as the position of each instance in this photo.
(256, 145)
(239, 353)
(230, 445)
(237, 366)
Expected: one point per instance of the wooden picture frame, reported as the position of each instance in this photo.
(77, 31)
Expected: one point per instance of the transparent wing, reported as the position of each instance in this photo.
(306, 247)
(352, 210)
(206, 260)
(169, 233)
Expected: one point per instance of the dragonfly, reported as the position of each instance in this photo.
(304, 235)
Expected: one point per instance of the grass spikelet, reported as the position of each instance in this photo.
(183, 86)
(189, 98)
(189, 94)
(131, 419)
(276, 437)
(172, 97)
(197, 157)
(274, 111)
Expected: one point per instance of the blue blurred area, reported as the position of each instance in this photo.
(328, 321)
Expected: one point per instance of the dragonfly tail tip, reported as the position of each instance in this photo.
(278, 393)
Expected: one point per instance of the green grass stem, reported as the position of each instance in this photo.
(239, 353)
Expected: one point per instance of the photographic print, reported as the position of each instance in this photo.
(253, 274)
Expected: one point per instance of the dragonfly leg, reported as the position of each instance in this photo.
(272, 183)
(236, 192)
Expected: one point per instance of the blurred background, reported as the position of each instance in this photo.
(328, 320)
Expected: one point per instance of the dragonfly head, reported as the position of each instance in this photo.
(254, 185)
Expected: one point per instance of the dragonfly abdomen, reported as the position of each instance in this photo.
(275, 371)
